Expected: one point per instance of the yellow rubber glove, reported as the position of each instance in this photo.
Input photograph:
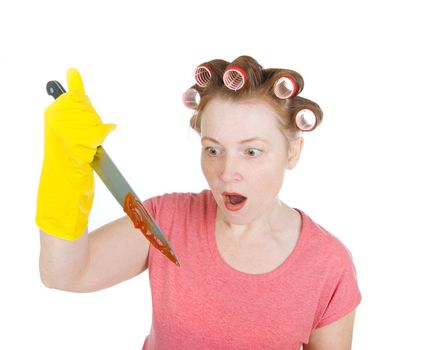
(72, 132)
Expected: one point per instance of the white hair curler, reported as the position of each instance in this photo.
(285, 87)
(202, 75)
(191, 98)
(306, 120)
(234, 78)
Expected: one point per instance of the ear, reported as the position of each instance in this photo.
(294, 152)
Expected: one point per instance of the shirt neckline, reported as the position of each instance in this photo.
(228, 270)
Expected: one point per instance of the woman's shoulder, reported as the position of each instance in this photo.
(178, 200)
(323, 241)
(181, 196)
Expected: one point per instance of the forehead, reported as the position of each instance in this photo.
(247, 118)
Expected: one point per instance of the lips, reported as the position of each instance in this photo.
(234, 201)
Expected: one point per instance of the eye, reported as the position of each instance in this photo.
(253, 152)
(211, 151)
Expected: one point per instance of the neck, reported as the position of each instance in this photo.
(264, 226)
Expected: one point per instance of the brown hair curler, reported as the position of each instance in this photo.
(244, 78)
(306, 120)
(285, 87)
(234, 78)
(203, 75)
(286, 83)
(209, 74)
(306, 114)
(191, 97)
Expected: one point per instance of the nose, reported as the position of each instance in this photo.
(230, 169)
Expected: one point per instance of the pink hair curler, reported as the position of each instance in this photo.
(306, 120)
(202, 75)
(234, 78)
(285, 87)
(191, 98)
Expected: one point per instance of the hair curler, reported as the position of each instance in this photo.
(306, 120)
(191, 98)
(285, 87)
(234, 78)
(203, 75)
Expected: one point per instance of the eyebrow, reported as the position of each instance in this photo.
(241, 142)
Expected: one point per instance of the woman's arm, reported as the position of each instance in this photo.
(335, 336)
(109, 255)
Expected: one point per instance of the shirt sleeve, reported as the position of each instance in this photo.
(341, 294)
(151, 205)
(162, 209)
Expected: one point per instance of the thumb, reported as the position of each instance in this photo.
(74, 81)
(102, 132)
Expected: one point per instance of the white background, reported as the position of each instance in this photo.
(368, 173)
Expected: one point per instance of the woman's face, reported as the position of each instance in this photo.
(244, 151)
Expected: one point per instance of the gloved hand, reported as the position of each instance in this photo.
(72, 132)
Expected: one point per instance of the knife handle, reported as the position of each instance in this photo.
(55, 89)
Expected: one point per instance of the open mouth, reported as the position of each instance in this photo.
(234, 201)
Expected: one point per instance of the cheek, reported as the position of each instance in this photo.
(206, 165)
(268, 177)
(265, 175)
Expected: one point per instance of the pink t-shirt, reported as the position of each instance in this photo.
(206, 304)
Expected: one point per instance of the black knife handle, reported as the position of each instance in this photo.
(55, 89)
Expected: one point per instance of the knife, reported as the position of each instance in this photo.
(123, 193)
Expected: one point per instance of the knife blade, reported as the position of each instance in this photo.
(123, 192)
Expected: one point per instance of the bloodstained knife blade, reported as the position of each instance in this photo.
(123, 193)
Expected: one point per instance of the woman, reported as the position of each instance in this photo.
(255, 273)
